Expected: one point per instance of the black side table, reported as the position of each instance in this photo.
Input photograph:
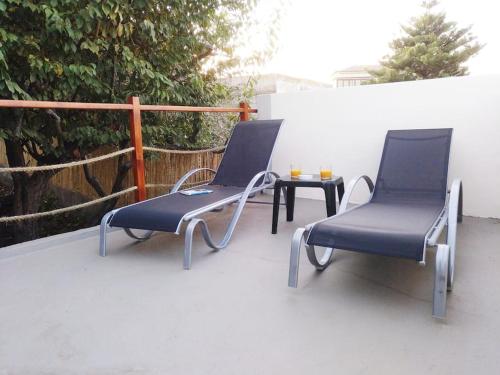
(291, 183)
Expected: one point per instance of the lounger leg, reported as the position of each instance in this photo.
(293, 272)
(188, 244)
(454, 217)
(102, 233)
(451, 241)
(188, 241)
(229, 230)
(440, 281)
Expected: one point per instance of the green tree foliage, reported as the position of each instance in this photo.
(431, 47)
(105, 51)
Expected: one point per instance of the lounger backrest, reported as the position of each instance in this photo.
(248, 152)
(414, 166)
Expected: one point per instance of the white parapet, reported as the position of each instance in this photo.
(346, 128)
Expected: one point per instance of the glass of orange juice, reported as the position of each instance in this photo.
(325, 172)
(295, 171)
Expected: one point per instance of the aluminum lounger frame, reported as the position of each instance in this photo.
(411, 191)
(445, 255)
(192, 218)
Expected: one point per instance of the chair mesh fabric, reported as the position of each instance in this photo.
(410, 193)
(248, 152)
(414, 166)
(165, 213)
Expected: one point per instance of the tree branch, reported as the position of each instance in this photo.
(123, 168)
(93, 181)
(57, 120)
(19, 124)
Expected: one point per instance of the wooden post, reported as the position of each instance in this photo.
(245, 114)
(137, 154)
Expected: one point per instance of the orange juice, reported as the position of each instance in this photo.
(325, 174)
(295, 172)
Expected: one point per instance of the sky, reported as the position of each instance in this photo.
(318, 37)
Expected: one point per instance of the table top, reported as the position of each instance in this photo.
(315, 181)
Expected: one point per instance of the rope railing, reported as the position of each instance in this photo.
(170, 151)
(7, 219)
(67, 165)
(134, 108)
(195, 183)
(105, 157)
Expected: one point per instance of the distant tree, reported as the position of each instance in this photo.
(431, 47)
(105, 51)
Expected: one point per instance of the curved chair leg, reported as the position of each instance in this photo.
(320, 264)
(293, 272)
(451, 241)
(324, 262)
(131, 234)
(440, 281)
(454, 217)
(188, 244)
(188, 241)
(102, 232)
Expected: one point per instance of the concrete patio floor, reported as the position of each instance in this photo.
(65, 310)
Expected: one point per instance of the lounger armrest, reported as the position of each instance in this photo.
(350, 188)
(250, 189)
(183, 179)
(244, 196)
(265, 175)
(269, 180)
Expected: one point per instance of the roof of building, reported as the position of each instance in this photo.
(279, 76)
(359, 68)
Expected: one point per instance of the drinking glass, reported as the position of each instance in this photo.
(325, 172)
(295, 171)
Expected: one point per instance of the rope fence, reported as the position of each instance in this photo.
(172, 185)
(7, 219)
(67, 165)
(169, 151)
(104, 157)
(58, 211)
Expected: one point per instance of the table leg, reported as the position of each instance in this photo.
(283, 190)
(331, 205)
(276, 208)
(340, 191)
(290, 202)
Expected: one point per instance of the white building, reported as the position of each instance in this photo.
(276, 83)
(354, 75)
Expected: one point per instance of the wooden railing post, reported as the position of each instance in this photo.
(245, 114)
(137, 154)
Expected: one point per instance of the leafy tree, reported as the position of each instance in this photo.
(431, 47)
(105, 51)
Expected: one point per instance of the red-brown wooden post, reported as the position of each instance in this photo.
(137, 154)
(245, 114)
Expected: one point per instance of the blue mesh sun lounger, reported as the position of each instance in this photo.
(243, 171)
(408, 208)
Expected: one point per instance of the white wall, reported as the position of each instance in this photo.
(346, 128)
